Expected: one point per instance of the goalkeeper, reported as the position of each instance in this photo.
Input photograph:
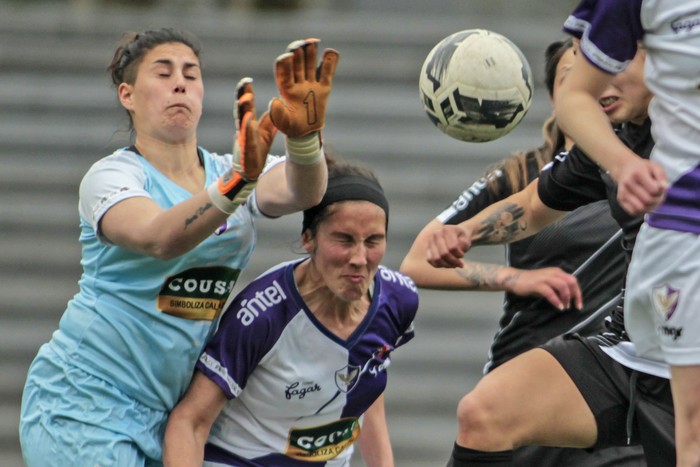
(166, 229)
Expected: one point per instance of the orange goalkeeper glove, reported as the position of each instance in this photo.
(304, 88)
(250, 149)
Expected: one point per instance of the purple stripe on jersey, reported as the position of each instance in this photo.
(247, 330)
(214, 453)
(681, 209)
(609, 31)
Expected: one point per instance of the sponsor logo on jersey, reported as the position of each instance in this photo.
(250, 308)
(324, 442)
(398, 278)
(467, 196)
(299, 390)
(198, 293)
(686, 24)
(665, 300)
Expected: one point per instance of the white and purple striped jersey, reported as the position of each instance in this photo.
(670, 30)
(296, 391)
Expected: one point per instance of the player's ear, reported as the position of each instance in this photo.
(307, 240)
(125, 94)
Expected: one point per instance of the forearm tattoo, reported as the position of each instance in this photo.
(502, 226)
(200, 210)
(480, 275)
(486, 276)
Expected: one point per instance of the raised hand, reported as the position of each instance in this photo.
(251, 146)
(253, 138)
(304, 88)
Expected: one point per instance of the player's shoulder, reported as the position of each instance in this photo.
(395, 279)
(120, 158)
(265, 300)
(397, 288)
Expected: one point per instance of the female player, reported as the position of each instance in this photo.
(662, 301)
(542, 299)
(166, 229)
(297, 368)
(582, 391)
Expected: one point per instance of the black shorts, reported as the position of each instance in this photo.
(630, 407)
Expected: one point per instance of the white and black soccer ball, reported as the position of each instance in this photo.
(476, 85)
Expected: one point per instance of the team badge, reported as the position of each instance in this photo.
(665, 299)
(347, 377)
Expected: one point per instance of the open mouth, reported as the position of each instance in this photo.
(607, 101)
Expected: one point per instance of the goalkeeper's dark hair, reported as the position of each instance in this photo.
(522, 167)
(133, 47)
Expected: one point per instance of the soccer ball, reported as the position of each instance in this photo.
(476, 85)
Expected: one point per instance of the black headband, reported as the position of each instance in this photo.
(346, 188)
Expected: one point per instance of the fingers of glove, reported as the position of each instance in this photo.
(253, 157)
(267, 132)
(243, 87)
(326, 69)
(284, 71)
(305, 54)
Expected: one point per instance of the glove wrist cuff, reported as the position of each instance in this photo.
(305, 150)
(230, 191)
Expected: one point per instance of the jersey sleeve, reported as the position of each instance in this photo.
(609, 31)
(475, 199)
(252, 202)
(241, 340)
(570, 181)
(400, 296)
(108, 182)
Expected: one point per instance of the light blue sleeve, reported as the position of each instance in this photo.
(109, 181)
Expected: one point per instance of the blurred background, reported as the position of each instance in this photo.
(58, 115)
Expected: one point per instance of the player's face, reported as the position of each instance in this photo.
(165, 100)
(348, 247)
(627, 98)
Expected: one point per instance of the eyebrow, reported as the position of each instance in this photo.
(167, 61)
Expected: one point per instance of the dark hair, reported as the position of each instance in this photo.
(357, 175)
(552, 55)
(133, 47)
(521, 167)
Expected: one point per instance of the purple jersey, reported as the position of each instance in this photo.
(297, 391)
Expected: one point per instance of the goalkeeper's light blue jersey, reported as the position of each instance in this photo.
(139, 322)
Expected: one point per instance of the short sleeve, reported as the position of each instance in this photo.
(609, 31)
(109, 181)
(570, 181)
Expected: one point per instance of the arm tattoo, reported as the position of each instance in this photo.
(200, 210)
(485, 276)
(503, 226)
(479, 275)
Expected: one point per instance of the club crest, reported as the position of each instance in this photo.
(347, 377)
(665, 299)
